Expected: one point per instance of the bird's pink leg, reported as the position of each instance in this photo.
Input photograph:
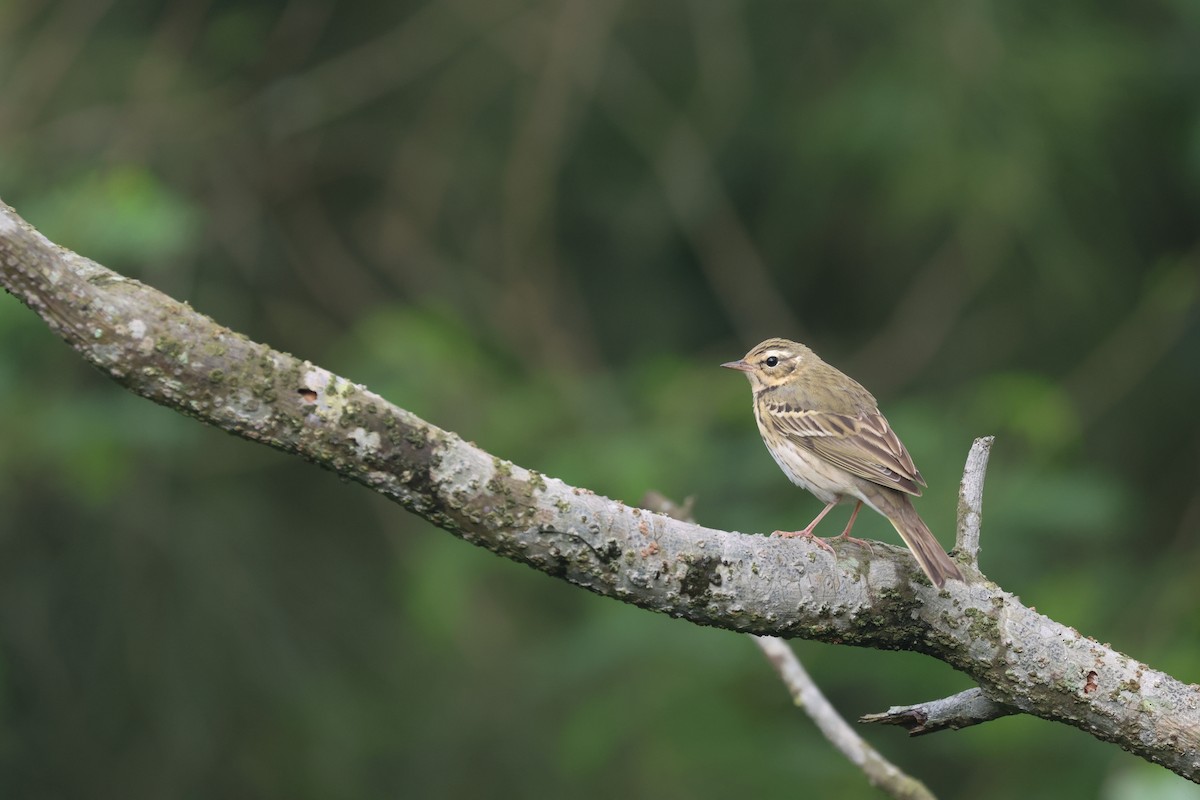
(807, 533)
(846, 537)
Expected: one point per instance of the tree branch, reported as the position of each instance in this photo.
(165, 351)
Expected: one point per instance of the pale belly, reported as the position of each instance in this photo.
(804, 470)
(828, 483)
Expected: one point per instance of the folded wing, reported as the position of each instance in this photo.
(863, 445)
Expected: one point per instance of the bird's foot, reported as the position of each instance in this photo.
(846, 537)
(806, 534)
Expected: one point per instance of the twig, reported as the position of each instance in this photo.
(970, 499)
(957, 711)
(805, 694)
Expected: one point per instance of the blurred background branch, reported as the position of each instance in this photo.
(881, 773)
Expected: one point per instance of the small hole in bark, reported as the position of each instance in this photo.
(308, 395)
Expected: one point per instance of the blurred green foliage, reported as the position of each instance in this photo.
(542, 225)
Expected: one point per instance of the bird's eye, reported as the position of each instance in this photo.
(772, 361)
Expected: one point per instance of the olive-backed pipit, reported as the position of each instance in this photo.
(827, 435)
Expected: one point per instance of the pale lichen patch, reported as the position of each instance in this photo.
(320, 386)
(461, 472)
(243, 406)
(365, 441)
(316, 380)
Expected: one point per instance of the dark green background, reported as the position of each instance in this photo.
(543, 225)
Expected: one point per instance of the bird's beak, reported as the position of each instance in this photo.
(739, 365)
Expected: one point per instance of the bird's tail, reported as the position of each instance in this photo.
(916, 534)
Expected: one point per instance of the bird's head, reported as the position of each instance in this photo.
(772, 362)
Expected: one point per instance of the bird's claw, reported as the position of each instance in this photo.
(845, 537)
(817, 540)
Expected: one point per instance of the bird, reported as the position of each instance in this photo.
(826, 433)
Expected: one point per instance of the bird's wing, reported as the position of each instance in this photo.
(863, 445)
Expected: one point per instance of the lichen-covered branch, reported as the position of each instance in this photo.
(166, 352)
